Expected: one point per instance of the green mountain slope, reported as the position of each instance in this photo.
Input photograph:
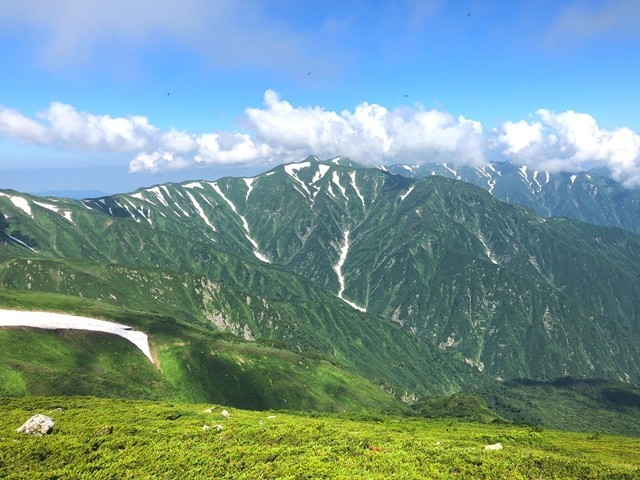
(194, 364)
(458, 272)
(585, 196)
(567, 403)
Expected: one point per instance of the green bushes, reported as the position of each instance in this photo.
(103, 438)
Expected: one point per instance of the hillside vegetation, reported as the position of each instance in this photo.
(494, 287)
(103, 439)
(194, 365)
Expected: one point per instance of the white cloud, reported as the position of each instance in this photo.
(62, 125)
(228, 32)
(572, 141)
(229, 148)
(519, 135)
(16, 125)
(178, 142)
(370, 133)
(97, 132)
(578, 22)
(156, 162)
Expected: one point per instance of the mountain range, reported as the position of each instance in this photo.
(423, 284)
(592, 196)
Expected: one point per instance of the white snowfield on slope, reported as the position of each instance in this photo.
(55, 321)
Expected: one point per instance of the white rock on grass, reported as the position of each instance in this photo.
(37, 425)
(495, 446)
(225, 414)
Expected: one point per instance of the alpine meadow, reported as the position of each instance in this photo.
(265, 239)
(351, 290)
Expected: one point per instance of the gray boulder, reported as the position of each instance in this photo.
(37, 425)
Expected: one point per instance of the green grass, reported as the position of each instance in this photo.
(74, 362)
(588, 405)
(101, 439)
(195, 364)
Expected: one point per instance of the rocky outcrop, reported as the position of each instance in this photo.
(37, 425)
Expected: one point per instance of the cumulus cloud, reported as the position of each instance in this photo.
(16, 125)
(281, 132)
(62, 125)
(370, 133)
(519, 135)
(572, 141)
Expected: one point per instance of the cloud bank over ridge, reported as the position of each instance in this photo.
(370, 133)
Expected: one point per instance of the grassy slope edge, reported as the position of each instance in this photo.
(195, 365)
(104, 438)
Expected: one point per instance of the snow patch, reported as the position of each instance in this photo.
(352, 176)
(193, 185)
(322, 171)
(487, 250)
(336, 179)
(64, 213)
(573, 178)
(344, 250)
(200, 211)
(54, 321)
(292, 170)
(158, 193)
(525, 176)
(53, 208)
(455, 174)
(21, 243)
(249, 183)
(126, 207)
(19, 202)
(245, 225)
(404, 195)
(535, 179)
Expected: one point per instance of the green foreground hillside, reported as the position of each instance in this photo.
(100, 439)
(193, 365)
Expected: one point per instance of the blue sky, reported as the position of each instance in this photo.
(83, 86)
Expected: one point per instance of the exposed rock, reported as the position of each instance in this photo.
(37, 425)
(495, 446)
(225, 414)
